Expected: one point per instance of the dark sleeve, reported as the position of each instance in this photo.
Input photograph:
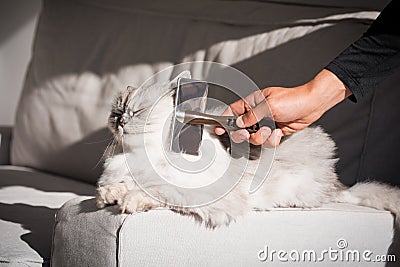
(373, 57)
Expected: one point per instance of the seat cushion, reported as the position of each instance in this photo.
(28, 202)
(85, 236)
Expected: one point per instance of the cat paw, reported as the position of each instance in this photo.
(137, 201)
(110, 194)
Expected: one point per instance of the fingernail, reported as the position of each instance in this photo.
(239, 122)
(265, 132)
(244, 135)
(279, 133)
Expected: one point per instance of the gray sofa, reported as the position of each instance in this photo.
(86, 50)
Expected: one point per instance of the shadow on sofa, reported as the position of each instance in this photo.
(29, 200)
(38, 237)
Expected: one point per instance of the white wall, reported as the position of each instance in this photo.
(18, 20)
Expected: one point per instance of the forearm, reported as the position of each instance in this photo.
(326, 90)
(372, 58)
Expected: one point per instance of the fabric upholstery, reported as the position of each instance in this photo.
(28, 202)
(85, 51)
(5, 141)
(164, 238)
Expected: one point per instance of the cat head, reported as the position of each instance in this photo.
(131, 107)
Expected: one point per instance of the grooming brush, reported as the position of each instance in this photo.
(189, 117)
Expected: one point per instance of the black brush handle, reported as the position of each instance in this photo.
(232, 126)
(228, 122)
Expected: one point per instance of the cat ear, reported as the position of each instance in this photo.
(126, 94)
(184, 74)
(130, 89)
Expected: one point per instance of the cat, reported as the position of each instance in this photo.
(302, 174)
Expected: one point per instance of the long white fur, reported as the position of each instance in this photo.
(302, 175)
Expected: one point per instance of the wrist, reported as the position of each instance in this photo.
(327, 90)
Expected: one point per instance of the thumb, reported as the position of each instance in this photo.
(253, 116)
(246, 120)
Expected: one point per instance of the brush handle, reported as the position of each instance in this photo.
(228, 122)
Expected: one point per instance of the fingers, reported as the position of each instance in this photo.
(238, 107)
(264, 137)
(261, 136)
(239, 136)
(254, 115)
(219, 130)
(246, 119)
(228, 112)
(253, 109)
(274, 139)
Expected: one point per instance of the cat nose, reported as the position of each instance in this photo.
(123, 120)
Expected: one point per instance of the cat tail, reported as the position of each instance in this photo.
(375, 195)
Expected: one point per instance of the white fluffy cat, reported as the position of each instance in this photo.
(302, 174)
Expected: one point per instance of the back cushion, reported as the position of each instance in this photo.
(85, 51)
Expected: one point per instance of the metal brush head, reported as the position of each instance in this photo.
(191, 95)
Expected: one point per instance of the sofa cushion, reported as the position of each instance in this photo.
(88, 237)
(28, 202)
(84, 51)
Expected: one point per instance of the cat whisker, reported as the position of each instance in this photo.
(100, 141)
(115, 143)
(103, 156)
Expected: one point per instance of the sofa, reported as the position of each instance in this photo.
(85, 51)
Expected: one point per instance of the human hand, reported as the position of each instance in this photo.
(292, 109)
